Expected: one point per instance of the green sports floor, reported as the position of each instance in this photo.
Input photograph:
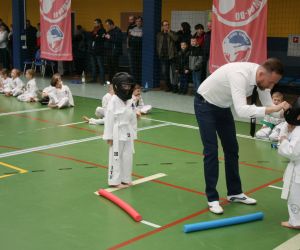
(51, 163)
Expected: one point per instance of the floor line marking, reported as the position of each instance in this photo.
(68, 124)
(292, 243)
(136, 182)
(22, 171)
(150, 224)
(176, 222)
(271, 186)
(64, 143)
(195, 127)
(24, 111)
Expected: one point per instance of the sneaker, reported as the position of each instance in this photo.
(214, 207)
(242, 198)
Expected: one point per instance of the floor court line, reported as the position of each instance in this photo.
(197, 128)
(24, 111)
(21, 170)
(64, 143)
(150, 224)
(178, 221)
(291, 244)
(136, 182)
(271, 186)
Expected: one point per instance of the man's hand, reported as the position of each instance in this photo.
(110, 142)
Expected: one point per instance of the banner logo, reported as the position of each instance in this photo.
(235, 14)
(54, 13)
(55, 38)
(237, 46)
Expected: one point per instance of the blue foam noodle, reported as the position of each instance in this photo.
(223, 222)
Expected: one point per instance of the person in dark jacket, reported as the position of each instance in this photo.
(206, 52)
(166, 50)
(97, 50)
(113, 41)
(136, 40)
(196, 62)
(30, 39)
(182, 68)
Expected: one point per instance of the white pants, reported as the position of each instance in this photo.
(263, 133)
(94, 121)
(294, 203)
(16, 92)
(26, 97)
(120, 170)
(146, 109)
(64, 102)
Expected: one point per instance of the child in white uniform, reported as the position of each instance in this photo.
(139, 102)
(16, 86)
(5, 80)
(272, 125)
(120, 131)
(31, 89)
(100, 111)
(60, 96)
(290, 148)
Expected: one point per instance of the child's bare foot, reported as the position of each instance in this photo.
(52, 105)
(119, 186)
(85, 118)
(288, 225)
(127, 184)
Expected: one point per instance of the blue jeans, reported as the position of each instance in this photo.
(97, 61)
(184, 83)
(214, 121)
(196, 79)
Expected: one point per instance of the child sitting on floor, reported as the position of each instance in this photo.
(138, 101)
(30, 93)
(5, 80)
(272, 125)
(16, 86)
(60, 96)
(100, 111)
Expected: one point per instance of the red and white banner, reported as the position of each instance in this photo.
(56, 35)
(239, 32)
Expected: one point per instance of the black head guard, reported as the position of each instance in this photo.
(292, 113)
(123, 85)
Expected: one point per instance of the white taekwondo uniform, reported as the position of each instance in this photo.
(5, 84)
(121, 127)
(62, 97)
(290, 148)
(30, 92)
(19, 87)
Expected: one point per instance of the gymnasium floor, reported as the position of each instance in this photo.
(51, 164)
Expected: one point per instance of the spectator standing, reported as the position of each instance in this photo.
(206, 52)
(199, 34)
(182, 67)
(113, 40)
(131, 25)
(97, 50)
(196, 63)
(166, 49)
(136, 41)
(30, 39)
(4, 55)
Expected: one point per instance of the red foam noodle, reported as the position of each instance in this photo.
(122, 204)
